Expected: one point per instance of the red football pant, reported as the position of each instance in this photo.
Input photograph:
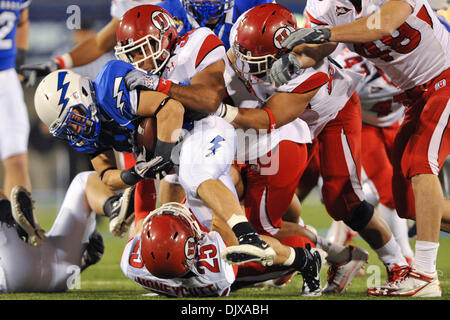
(145, 193)
(376, 159)
(423, 141)
(340, 161)
(268, 197)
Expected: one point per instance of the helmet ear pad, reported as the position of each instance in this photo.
(168, 245)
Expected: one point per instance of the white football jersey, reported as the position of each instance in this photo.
(211, 275)
(253, 144)
(193, 52)
(119, 7)
(376, 92)
(415, 53)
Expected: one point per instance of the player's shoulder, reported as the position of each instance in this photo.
(192, 41)
(113, 69)
(307, 79)
(321, 12)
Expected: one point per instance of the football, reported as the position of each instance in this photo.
(146, 135)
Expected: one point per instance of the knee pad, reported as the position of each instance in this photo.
(360, 216)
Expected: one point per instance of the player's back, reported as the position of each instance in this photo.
(9, 17)
(414, 54)
(376, 92)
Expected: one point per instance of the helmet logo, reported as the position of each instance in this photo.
(162, 20)
(281, 34)
(189, 248)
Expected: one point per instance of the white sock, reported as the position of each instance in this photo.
(290, 260)
(336, 253)
(399, 229)
(235, 219)
(426, 254)
(391, 253)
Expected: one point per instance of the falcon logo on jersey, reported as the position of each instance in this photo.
(117, 94)
(340, 11)
(281, 34)
(162, 20)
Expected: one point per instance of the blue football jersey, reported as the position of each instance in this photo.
(116, 108)
(186, 22)
(9, 17)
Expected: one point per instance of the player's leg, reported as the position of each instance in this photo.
(14, 129)
(170, 190)
(206, 155)
(379, 171)
(340, 158)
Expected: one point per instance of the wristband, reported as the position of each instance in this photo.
(130, 177)
(64, 61)
(228, 112)
(164, 86)
(272, 125)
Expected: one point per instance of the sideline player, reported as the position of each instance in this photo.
(33, 260)
(323, 96)
(14, 125)
(170, 254)
(405, 40)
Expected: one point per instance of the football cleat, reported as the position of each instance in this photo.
(340, 275)
(409, 282)
(27, 225)
(311, 274)
(250, 248)
(122, 213)
(94, 250)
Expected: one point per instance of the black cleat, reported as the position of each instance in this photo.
(311, 274)
(26, 225)
(250, 248)
(94, 250)
(122, 213)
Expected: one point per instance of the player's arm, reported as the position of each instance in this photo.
(169, 117)
(285, 107)
(22, 35)
(374, 27)
(205, 91)
(168, 112)
(84, 53)
(95, 46)
(105, 165)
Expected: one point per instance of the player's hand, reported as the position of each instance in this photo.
(284, 69)
(31, 72)
(137, 79)
(306, 35)
(155, 168)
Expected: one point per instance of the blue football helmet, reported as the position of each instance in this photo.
(205, 12)
(65, 101)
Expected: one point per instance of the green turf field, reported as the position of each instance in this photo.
(105, 280)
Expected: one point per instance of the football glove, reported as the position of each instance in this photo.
(306, 35)
(284, 69)
(31, 72)
(137, 79)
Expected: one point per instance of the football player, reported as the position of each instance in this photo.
(98, 117)
(33, 260)
(14, 123)
(406, 40)
(322, 96)
(171, 254)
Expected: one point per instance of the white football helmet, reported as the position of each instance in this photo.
(65, 102)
